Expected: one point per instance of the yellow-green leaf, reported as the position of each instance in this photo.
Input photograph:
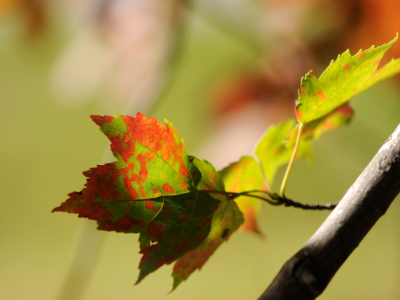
(345, 78)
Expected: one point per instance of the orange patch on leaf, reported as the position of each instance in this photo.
(149, 205)
(143, 168)
(377, 62)
(361, 55)
(345, 110)
(320, 95)
(183, 171)
(346, 67)
(377, 71)
(298, 113)
(250, 223)
(168, 188)
(303, 92)
(182, 185)
(142, 190)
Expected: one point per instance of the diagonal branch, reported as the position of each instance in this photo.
(308, 272)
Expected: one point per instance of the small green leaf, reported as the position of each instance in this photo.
(274, 151)
(245, 175)
(210, 179)
(343, 79)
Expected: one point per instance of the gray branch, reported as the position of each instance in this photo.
(308, 272)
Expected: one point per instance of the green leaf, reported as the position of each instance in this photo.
(245, 175)
(273, 150)
(343, 79)
(182, 225)
(210, 178)
(225, 221)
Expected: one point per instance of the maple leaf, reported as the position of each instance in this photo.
(242, 175)
(225, 221)
(152, 162)
(343, 79)
(150, 189)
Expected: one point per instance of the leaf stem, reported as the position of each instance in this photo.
(247, 193)
(289, 167)
(276, 200)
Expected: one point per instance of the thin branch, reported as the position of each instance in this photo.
(308, 272)
(275, 199)
(328, 206)
(236, 195)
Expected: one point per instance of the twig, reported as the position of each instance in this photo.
(275, 199)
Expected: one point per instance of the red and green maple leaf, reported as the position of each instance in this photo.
(150, 189)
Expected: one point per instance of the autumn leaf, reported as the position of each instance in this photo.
(225, 221)
(150, 189)
(152, 163)
(240, 176)
(343, 79)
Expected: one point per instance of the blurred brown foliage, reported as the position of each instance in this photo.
(33, 13)
(323, 29)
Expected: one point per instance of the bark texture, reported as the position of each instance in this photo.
(308, 272)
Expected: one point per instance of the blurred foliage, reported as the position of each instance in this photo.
(63, 61)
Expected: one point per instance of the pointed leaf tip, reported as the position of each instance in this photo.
(343, 79)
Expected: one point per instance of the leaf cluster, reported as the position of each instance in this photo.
(181, 207)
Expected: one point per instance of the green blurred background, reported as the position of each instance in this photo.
(49, 140)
